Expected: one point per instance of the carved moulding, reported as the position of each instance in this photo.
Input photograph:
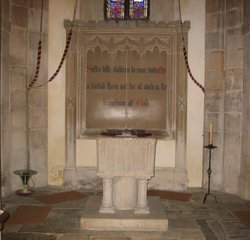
(112, 44)
(142, 38)
(130, 157)
(56, 175)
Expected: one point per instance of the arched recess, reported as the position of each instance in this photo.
(101, 49)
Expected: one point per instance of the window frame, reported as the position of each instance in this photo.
(126, 12)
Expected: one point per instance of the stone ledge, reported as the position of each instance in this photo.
(125, 25)
(246, 28)
(156, 220)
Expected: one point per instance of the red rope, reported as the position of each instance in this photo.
(63, 57)
(189, 70)
(38, 62)
(59, 66)
(186, 54)
(39, 52)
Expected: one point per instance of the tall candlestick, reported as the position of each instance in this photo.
(211, 133)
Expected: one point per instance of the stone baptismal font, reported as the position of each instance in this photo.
(125, 163)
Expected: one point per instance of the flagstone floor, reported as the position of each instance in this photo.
(190, 220)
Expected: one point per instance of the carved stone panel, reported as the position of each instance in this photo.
(126, 157)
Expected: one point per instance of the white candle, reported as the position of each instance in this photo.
(211, 133)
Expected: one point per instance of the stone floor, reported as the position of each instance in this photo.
(190, 220)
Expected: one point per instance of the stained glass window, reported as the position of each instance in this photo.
(126, 9)
(115, 9)
(138, 9)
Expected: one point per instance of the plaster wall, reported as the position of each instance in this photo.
(58, 11)
(245, 159)
(196, 56)
(86, 148)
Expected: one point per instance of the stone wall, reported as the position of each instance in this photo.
(24, 132)
(223, 82)
(5, 103)
(245, 163)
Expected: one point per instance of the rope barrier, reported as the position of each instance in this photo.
(39, 53)
(61, 62)
(68, 41)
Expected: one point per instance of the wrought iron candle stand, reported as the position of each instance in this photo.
(210, 147)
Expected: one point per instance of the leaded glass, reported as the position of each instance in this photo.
(115, 9)
(126, 9)
(138, 9)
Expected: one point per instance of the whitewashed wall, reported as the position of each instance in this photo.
(194, 11)
(58, 11)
